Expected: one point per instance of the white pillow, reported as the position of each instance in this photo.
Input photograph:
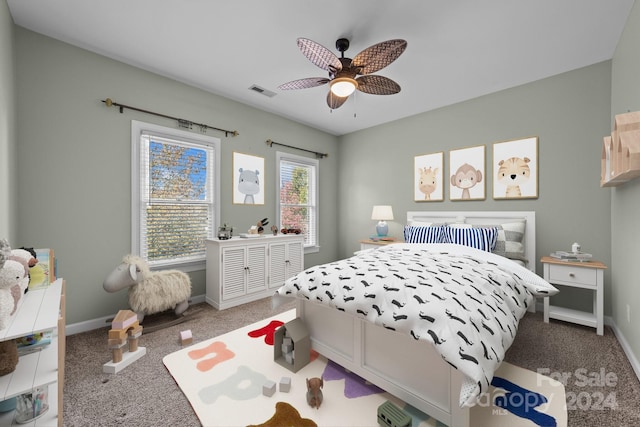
(419, 223)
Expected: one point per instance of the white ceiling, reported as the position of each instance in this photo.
(457, 50)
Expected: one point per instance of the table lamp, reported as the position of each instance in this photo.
(382, 214)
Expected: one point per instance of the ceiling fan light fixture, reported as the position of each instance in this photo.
(343, 86)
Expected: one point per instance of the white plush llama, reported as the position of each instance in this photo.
(150, 292)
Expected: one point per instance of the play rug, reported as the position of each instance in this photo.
(223, 379)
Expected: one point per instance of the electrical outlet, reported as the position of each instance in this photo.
(628, 313)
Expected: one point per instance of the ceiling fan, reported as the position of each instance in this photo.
(346, 74)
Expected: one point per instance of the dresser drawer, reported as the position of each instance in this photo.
(572, 275)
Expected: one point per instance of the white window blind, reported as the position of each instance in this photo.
(297, 205)
(176, 199)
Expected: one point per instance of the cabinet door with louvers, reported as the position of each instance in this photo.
(234, 272)
(286, 259)
(256, 263)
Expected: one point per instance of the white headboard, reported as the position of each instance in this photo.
(489, 218)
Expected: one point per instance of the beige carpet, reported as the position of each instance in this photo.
(224, 379)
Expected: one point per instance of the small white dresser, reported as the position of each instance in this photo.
(240, 270)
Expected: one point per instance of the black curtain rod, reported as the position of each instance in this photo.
(319, 155)
(181, 122)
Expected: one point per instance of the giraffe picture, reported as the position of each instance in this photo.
(428, 173)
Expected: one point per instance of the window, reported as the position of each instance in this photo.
(175, 195)
(297, 205)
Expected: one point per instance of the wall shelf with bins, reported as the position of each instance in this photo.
(621, 151)
(38, 310)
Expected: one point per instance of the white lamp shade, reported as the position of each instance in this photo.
(382, 213)
(343, 86)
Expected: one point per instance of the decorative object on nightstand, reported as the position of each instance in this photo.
(376, 242)
(576, 274)
(382, 213)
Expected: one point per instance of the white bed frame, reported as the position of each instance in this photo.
(411, 370)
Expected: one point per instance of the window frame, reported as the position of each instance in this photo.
(137, 129)
(315, 164)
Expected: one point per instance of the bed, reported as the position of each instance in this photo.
(412, 366)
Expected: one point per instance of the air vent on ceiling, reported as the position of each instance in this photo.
(262, 91)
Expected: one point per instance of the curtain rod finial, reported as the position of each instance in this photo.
(108, 102)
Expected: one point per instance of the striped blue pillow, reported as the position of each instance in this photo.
(479, 238)
(423, 234)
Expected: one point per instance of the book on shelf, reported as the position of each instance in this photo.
(43, 273)
(571, 256)
(34, 342)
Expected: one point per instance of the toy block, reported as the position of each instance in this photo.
(127, 359)
(116, 355)
(135, 332)
(115, 342)
(185, 337)
(133, 344)
(124, 319)
(285, 384)
(117, 334)
(389, 415)
(288, 357)
(269, 388)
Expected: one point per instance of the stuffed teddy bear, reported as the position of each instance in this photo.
(14, 279)
(8, 349)
(5, 251)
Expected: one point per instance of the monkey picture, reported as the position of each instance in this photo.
(467, 177)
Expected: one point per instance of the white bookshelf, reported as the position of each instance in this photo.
(38, 310)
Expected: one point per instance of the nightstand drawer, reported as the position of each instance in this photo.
(573, 275)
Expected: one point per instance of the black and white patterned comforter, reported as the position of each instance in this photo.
(466, 302)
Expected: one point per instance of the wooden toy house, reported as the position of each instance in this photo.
(621, 151)
(292, 345)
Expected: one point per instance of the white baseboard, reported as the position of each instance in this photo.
(628, 351)
(90, 325)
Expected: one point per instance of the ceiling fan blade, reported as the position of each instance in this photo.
(334, 101)
(378, 56)
(377, 85)
(320, 55)
(304, 83)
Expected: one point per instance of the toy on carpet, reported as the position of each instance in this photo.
(286, 415)
(186, 338)
(150, 292)
(314, 392)
(125, 329)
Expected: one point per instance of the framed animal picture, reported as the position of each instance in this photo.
(467, 169)
(515, 169)
(428, 185)
(248, 179)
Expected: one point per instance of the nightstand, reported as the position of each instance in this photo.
(585, 275)
(372, 244)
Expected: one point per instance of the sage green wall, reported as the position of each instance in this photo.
(8, 139)
(570, 115)
(625, 200)
(75, 161)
